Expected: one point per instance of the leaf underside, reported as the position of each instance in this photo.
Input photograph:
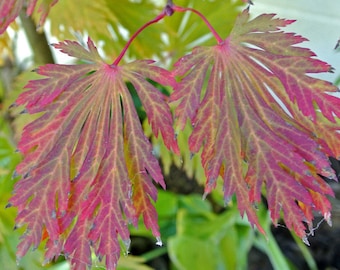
(88, 167)
(261, 119)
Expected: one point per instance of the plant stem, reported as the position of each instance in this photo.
(38, 41)
(158, 18)
(154, 253)
(211, 28)
(305, 252)
(169, 9)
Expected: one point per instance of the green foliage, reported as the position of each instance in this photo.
(207, 241)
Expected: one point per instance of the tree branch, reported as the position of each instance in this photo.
(38, 41)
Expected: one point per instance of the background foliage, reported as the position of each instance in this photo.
(197, 234)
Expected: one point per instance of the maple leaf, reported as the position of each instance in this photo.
(261, 119)
(10, 9)
(88, 166)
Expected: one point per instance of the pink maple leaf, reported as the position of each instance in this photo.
(10, 9)
(257, 121)
(88, 166)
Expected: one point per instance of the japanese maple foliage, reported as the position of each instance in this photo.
(248, 138)
(87, 157)
(10, 9)
(265, 126)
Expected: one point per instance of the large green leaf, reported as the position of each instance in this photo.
(207, 241)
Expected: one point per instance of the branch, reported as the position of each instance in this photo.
(38, 41)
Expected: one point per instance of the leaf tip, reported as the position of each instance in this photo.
(227, 200)
(159, 241)
(127, 243)
(24, 111)
(15, 174)
(8, 205)
(38, 27)
(209, 186)
(327, 217)
(18, 259)
(305, 240)
(46, 262)
(205, 194)
(13, 105)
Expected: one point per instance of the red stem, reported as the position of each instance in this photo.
(212, 30)
(158, 18)
(168, 11)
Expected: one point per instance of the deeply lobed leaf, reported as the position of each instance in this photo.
(10, 9)
(256, 119)
(88, 166)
